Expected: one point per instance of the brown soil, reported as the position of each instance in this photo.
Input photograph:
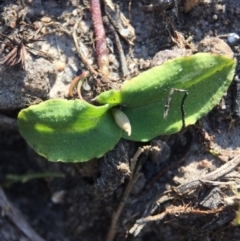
(172, 196)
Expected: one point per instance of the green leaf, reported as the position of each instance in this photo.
(205, 76)
(147, 120)
(69, 130)
(180, 73)
(72, 131)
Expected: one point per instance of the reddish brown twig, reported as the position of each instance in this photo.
(77, 79)
(101, 44)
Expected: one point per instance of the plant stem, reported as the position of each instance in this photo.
(101, 44)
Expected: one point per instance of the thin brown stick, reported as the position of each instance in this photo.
(119, 47)
(83, 58)
(39, 52)
(133, 179)
(178, 211)
(135, 168)
(16, 217)
(5, 36)
(221, 171)
(76, 41)
(119, 21)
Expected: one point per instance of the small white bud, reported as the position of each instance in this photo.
(122, 120)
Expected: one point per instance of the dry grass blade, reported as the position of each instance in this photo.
(23, 56)
(16, 56)
(9, 58)
(18, 51)
(13, 214)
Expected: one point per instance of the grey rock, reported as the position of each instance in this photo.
(19, 88)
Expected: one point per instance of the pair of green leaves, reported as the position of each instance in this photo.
(75, 131)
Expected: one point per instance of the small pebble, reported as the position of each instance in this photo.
(72, 21)
(124, 168)
(60, 66)
(46, 19)
(75, 12)
(84, 26)
(132, 67)
(75, 3)
(215, 17)
(58, 197)
(43, 30)
(37, 24)
(168, 186)
(215, 45)
(233, 38)
(86, 86)
(90, 61)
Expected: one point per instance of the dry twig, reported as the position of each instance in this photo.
(221, 171)
(135, 167)
(186, 187)
(177, 211)
(119, 21)
(119, 47)
(76, 40)
(16, 217)
(83, 58)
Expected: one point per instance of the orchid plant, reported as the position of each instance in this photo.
(76, 131)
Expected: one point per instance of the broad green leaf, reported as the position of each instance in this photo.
(153, 84)
(74, 131)
(204, 92)
(69, 130)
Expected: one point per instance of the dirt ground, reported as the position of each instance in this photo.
(187, 190)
